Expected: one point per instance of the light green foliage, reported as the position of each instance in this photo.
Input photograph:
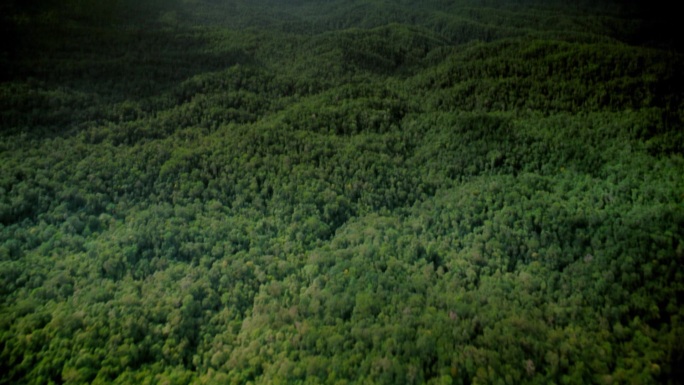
(335, 192)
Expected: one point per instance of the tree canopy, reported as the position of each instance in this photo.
(335, 192)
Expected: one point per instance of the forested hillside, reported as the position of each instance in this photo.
(340, 192)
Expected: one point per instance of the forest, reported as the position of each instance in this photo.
(341, 192)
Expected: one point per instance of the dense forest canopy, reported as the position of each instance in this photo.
(337, 192)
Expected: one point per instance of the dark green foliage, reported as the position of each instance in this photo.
(391, 192)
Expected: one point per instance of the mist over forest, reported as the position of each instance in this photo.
(341, 192)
